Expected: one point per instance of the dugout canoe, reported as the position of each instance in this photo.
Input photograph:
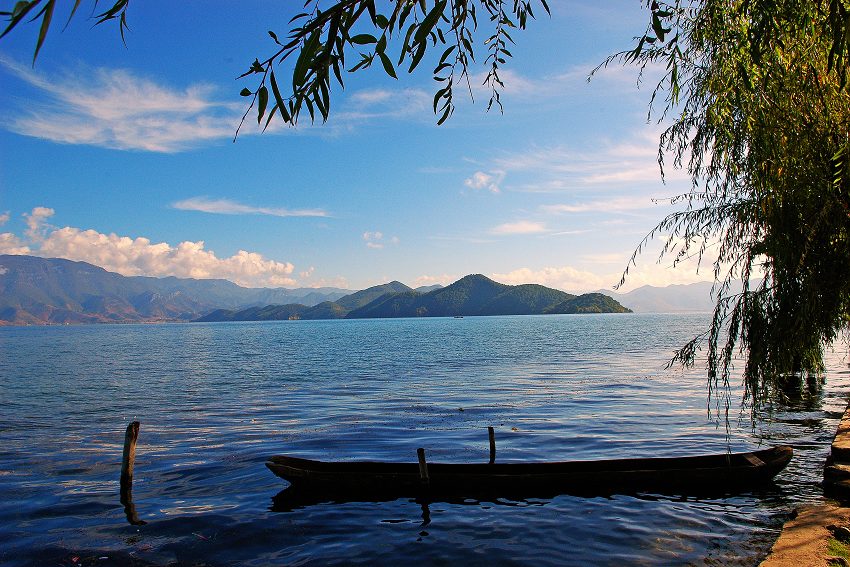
(666, 475)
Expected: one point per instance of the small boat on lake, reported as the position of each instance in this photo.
(725, 472)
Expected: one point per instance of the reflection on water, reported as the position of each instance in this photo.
(215, 400)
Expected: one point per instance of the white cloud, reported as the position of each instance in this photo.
(228, 207)
(575, 280)
(443, 279)
(380, 104)
(117, 109)
(519, 227)
(558, 169)
(4, 218)
(488, 181)
(308, 273)
(36, 221)
(141, 257)
(566, 278)
(11, 244)
(375, 239)
(614, 204)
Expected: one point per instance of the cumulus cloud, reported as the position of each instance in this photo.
(228, 207)
(519, 227)
(566, 278)
(485, 181)
(11, 244)
(443, 279)
(118, 109)
(4, 218)
(36, 221)
(140, 256)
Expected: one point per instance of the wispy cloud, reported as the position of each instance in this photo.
(140, 257)
(519, 227)
(229, 207)
(614, 204)
(375, 104)
(606, 166)
(375, 239)
(115, 108)
(613, 78)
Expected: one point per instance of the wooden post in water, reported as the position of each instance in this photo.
(129, 459)
(492, 435)
(127, 463)
(423, 467)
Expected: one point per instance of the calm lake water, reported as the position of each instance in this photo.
(215, 400)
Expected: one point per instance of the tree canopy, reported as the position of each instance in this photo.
(755, 92)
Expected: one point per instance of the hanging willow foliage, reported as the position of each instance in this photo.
(762, 124)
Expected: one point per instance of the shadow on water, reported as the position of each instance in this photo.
(295, 498)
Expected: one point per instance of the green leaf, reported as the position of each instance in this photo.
(276, 92)
(45, 25)
(388, 65)
(363, 39)
(245, 92)
(657, 27)
(269, 119)
(263, 100)
(430, 21)
(381, 21)
(446, 113)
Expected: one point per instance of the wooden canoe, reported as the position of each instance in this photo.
(670, 475)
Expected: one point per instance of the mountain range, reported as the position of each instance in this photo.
(37, 290)
(676, 298)
(471, 295)
(54, 291)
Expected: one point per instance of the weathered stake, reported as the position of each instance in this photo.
(129, 459)
(127, 463)
(423, 467)
(492, 436)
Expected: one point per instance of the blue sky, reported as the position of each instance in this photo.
(123, 157)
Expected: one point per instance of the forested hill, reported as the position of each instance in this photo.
(471, 295)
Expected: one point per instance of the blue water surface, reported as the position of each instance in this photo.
(215, 400)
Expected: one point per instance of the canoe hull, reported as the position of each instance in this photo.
(680, 475)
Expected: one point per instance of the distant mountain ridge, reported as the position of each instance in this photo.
(471, 295)
(676, 298)
(36, 290)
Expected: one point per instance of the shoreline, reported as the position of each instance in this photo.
(808, 538)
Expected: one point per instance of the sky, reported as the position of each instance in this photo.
(124, 156)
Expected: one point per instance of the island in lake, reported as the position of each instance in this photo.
(471, 295)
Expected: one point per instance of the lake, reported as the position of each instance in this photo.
(215, 400)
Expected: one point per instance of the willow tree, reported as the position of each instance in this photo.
(762, 124)
(754, 90)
